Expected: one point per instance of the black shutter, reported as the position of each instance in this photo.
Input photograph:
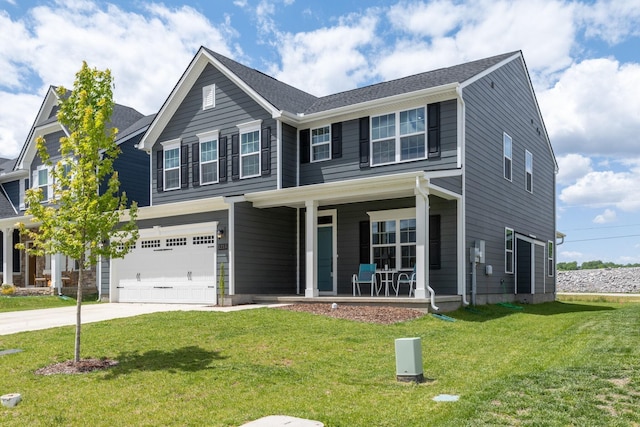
(159, 171)
(265, 148)
(365, 238)
(16, 252)
(433, 137)
(222, 159)
(184, 166)
(364, 142)
(305, 146)
(195, 163)
(235, 156)
(434, 242)
(336, 140)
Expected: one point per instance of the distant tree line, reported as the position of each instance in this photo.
(591, 265)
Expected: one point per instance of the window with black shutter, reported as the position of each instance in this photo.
(235, 156)
(265, 155)
(305, 146)
(336, 140)
(159, 171)
(184, 166)
(222, 162)
(433, 138)
(364, 142)
(195, 163)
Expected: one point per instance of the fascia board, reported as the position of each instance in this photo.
(50, 99)
(31, 149)
(489, 70)
(15, 174)
(179, 208)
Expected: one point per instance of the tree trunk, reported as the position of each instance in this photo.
(76, 358)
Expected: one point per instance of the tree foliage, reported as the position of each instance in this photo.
(83, 215)
(591, 265)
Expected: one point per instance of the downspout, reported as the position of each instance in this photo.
(432, 294)
(464, 190)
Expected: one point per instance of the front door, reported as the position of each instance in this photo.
(524, 269)
(326, 253)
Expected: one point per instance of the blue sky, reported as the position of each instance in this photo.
(583, 57)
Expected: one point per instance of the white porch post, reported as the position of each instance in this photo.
(422, 240)
(311, 267)
(56, 272)
(7, 259)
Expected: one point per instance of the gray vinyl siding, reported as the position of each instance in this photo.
(348, 166)
(453, 183)
(52, 143)
(105, 274)
(132, 166)
(289, 156)
(232, 107)
(265, 250)
(349, 217)
(12, 189)
(492, 202)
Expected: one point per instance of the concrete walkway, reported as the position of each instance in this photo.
(32, 320)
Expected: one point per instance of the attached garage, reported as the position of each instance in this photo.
(175, 264)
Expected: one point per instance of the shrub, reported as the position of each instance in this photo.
(7, 289)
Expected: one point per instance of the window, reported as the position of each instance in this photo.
(398, 137)
(42, 180)
(550, 264)
(528, 162)
(172, 166)
(208, 157)
(321, 144)
(250, 149)
(208, 97)
(506, 143)
(508, 250)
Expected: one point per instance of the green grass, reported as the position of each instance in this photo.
(19, 303)
(556, 364)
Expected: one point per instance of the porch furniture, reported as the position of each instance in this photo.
(408, 279)
(42, 281)
(366, 276)
(386, 279)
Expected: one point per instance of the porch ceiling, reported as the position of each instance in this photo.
(349, 191)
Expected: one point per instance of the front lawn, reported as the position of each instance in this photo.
(19, 303)
(556, 364)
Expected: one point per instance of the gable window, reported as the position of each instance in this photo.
(171, 155)
(528, 162)
(508, 250)
(321, 144)
(550, 264)
(250, 149)
(42, 180)
(506, 144)
(208, 157)
(398, 137)
(208, 97)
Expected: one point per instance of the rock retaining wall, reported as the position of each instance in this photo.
(606, 280)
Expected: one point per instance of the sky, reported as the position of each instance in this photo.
(583, 58)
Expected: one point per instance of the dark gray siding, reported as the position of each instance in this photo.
(232, 107)
(453, 183)
(502, 102)
(52, 143)
(132, 166)
(348, 166)
(265, 250)
(289, 156)
(350, 216)
(12, 189)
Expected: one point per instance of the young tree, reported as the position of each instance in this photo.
(83, 217)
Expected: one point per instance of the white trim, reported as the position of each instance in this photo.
(505, 138)
(249, 126)
(527, 172)
(397, 137)
(512, 251)
(244, 129)
(210, 136)
(396, 215)
(279, 155)
(171, 145)
(311, 144)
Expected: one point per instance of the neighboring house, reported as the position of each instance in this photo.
(291, 192)
(28, 171)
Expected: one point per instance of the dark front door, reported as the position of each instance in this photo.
(325, 259)
(523, 266)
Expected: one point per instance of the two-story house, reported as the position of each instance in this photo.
(450, 172)
(27, 171)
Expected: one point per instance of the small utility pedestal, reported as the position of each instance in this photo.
(409, 360)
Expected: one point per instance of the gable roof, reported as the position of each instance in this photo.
(6, 207)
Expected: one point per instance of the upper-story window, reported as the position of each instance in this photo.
(507, 154)
(398, 137)
(508, 250)
(42, 180)
(528, 162)
(171, 155)
(208, 157)
(321, 143)
(250, 149)
(550, 264)
(208, 97)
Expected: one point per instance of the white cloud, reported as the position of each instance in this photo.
(605, 188)
(572, 167)
(607, 216)
(611, 20)
(568, 256)
(18, 111)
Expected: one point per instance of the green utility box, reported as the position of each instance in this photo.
(409, 360)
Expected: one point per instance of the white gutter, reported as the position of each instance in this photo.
(462, 238)
(432, 293)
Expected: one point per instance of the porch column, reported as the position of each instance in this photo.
(311, 266)
(56, 272)
(7, 259)
(422, 240)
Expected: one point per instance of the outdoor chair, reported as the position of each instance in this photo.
(407, 278)
(366, 276)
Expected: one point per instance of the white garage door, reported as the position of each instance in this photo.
(169, 265)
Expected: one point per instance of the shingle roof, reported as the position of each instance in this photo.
(6, 208)
(6, 165)
(279, 94)
(138, 125)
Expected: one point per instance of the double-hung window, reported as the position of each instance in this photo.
(507, 154)
(321, 144)
(208, 157)
(550, 264)
(393, 239)
(43, 181)
(171, 155)
(508, 250)
(250, 149)
(528, 162)
(398, 137)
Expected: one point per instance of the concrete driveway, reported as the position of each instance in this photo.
(32, 320)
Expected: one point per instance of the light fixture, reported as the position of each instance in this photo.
(220, 233)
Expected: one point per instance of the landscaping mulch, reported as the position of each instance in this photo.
(82, 367)
(360, 313)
